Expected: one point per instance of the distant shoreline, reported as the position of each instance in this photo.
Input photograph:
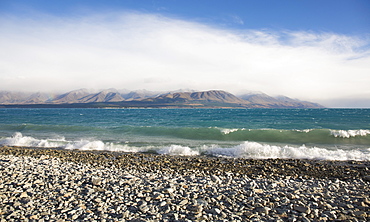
(113, 98)
(113, 106)
(84, 106)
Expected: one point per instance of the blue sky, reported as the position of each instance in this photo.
(316, 50)
(339, 16)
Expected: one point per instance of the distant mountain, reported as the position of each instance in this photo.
(144, 98)
(213, 96)
(139, 94)
(298, 103)
(7, 97)
(261, 100)
(109, 95)
(37, 98)
(71, 97)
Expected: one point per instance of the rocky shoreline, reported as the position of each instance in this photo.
(64, 185)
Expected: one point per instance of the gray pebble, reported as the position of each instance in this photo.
(48, 188)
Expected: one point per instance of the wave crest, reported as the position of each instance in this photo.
(349, 133)
(253, 150)
(256, 150)
(19, 140)
(228, 131)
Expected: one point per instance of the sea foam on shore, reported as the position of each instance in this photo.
(247, 149)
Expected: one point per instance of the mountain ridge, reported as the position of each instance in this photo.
(203, 96)
(144, 98)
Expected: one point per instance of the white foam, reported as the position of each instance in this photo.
(304, 131)
(245, 150)
(86, 145)
(25, 141)
(349, 133)
(228, 131)
(19, 140)
(264, 151)
(127, 148)
(178, 150)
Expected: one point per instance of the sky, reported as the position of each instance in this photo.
(315, 50)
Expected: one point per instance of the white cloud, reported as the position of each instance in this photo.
(135, 50)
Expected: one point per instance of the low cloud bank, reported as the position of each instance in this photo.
(137, 50)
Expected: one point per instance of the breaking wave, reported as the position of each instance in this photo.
(265, 151)
(26, 141)
(290, 136)
(247, 149)
(349, 133)
(306, 136)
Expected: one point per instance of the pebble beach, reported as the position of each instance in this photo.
(68, 185)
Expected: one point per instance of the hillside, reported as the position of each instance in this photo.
(109, 95)
(70, 97)
(261, 100)
(212, 96)
(114, 98)
(139, 94)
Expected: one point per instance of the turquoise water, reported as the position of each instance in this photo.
(249, 133)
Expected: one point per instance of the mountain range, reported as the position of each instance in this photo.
(143, 98)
